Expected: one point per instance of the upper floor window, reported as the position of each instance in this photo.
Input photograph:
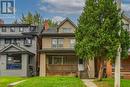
(7, 41)
(72, 43)
(26, 29)
(12, 29)
(57, 42)
(67, 30)
(21, 29)
(10, 41)
(14, 41)
(126, 26)
(28, 41)
(32, 29)
(3, 29)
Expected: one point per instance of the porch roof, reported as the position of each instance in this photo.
(14, 49)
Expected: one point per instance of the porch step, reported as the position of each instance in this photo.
(83, 75)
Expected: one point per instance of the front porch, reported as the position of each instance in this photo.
(65, 64)
(16, 61)
(62, 65)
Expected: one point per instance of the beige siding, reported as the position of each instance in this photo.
(47, 42)
(67, 25)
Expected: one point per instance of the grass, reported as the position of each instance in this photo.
(110, 83)
(52, 82)
(4, 81)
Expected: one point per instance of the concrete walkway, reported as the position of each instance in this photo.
(15, 83)
(89, 82)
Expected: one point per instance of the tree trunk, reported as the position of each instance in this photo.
(118, 58)
(117, 68)
(100, 72)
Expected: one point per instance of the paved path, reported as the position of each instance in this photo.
(15, 83)
(89, 82)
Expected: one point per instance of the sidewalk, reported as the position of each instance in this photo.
(89, 82)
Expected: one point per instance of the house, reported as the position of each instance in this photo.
(57, 55)
(125, 63)
(18, 45)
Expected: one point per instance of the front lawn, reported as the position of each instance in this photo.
(52, 82)
(110, 83)
(4, 81)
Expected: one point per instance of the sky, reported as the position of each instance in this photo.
(57, 10)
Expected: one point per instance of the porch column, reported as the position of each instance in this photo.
(92, 69)
(42, 64)
(109, 69)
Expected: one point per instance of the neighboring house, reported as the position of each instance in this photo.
(18, 45)
(125, 63)
(57, 56)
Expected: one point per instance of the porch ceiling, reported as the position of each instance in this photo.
(59, 50)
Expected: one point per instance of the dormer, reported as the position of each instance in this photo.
(66, 26)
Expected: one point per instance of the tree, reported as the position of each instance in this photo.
(97, 33)
(15, 22)
(30, 18)
(36, 19)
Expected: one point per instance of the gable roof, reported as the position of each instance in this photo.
(17, 49)
(126, 18)
(67, 19)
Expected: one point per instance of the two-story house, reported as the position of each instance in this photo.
(57, 56)
(18, 45)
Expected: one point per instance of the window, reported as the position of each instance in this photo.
(56, 59)
(28, 41)
(3, 29)
(12, 29)
(10, 41)
(57, 43)
(7, 41)
(14, 61)
(14, 41)
(72, 43)
(21, 29)
(126, 26)
(32, 29)
(67, 30)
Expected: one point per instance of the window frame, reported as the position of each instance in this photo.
(70, 30)
(26, 41)
(13, 65)
(57, 45)
(52, 60)
(7, 41)
(3, 28)
(12, 29)
(20, 29)
(72, 45)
